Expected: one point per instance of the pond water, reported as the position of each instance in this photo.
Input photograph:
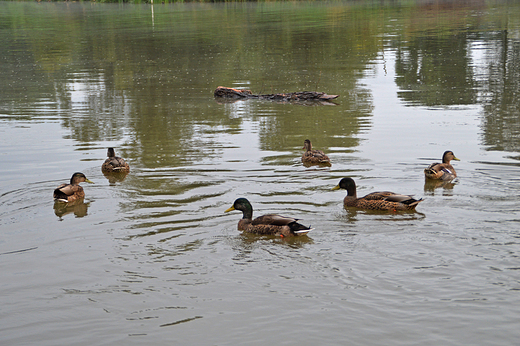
(154, 259)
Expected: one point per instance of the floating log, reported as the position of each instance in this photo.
(232, 93)
(285, 97)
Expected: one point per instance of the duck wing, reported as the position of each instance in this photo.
(316, 156)
(277, 225)
(67, 189)
(389, 197)
(378, 196)
(406, 199)
(115, 163)
(273, 219)
(443, 171)
(64, 191)
(436, 166)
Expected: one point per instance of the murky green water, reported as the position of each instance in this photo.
(153, 259)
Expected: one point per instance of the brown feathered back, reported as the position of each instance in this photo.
(73, 191)
(269, 224)
(314, 157)
(384, 200)
(114, 163)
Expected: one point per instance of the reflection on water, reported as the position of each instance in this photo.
(308, 103)
(447, 186)
(431, 63)
(352, 214)
(317, 164)
(155, 258)
(115, 177)
(246, 241)
(79, 208)
(500, 78)
(120, 96)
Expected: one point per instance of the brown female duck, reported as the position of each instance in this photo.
(384, 200)
(314, 157)
(444, 170)
(71, 192)
(114, 163)
(270, 224)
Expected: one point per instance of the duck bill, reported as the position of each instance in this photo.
(88, 181)
(229, 209)
(336, 187)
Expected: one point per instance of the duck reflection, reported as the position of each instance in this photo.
(317, 165)
(430, 185)
(245, 243)
(353, 214)
(78, 208)
(115, 177)
(294, 242)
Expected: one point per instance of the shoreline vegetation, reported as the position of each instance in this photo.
(358, 2)
(171, 1)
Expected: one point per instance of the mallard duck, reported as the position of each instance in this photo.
(384, 200)
(444, 170)
(270, 224)
(314, 157)
(71, 192)
(114, 163)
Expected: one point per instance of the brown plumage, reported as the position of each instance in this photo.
(114, 163)
(384, 200)
(444, 170)
(71, 192)
(314, 157)
(270, 224)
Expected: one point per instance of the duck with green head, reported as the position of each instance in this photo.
(444, 170)
(73, 191)
(269, 224)
(384, 200)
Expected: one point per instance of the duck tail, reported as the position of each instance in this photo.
(412, 203)
(299, 229)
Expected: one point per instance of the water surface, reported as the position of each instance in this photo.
(154, 259)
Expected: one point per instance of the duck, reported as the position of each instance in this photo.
(444, 170)
(71, 192)
(384, 200)
(314, 157)
(114, 163)
(269, 224)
